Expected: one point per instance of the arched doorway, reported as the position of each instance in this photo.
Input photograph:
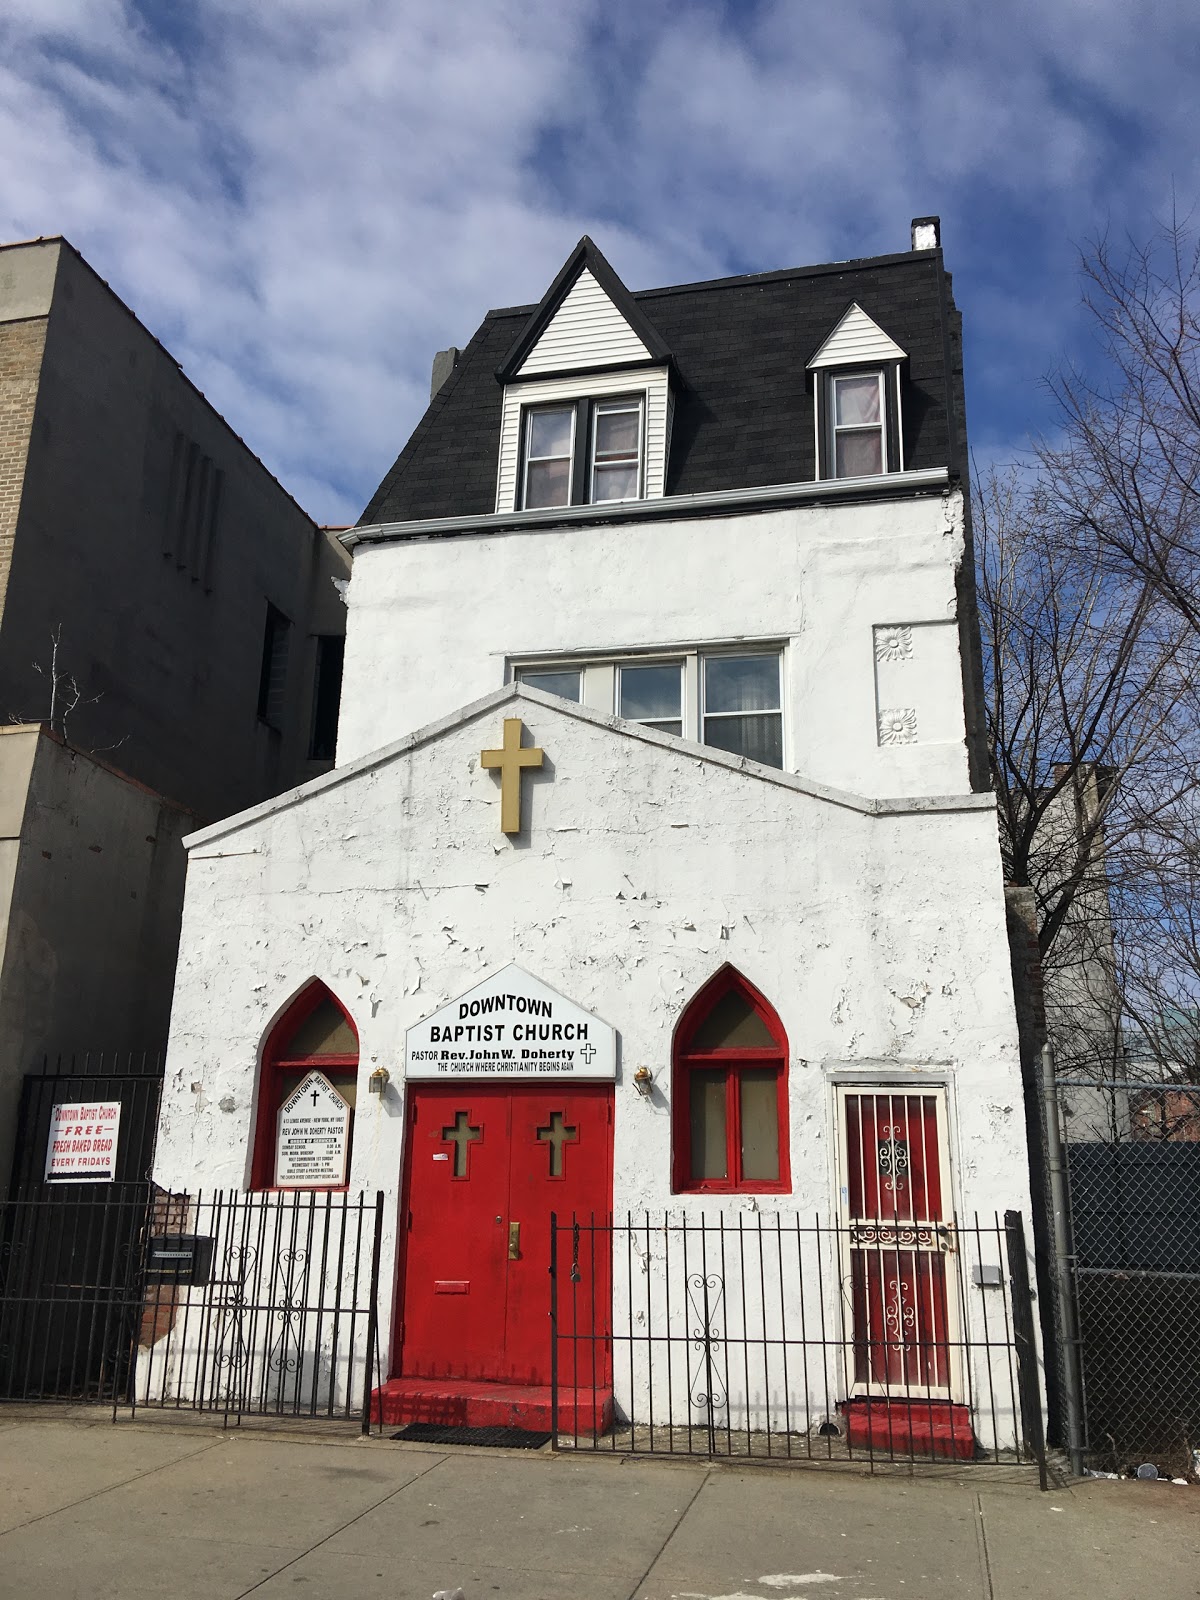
(314, 1044)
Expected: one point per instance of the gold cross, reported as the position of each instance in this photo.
(510, 760)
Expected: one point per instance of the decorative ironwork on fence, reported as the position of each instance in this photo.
(246, 1304)
(759, 1335)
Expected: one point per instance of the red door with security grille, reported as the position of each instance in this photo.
(485, 1166)
(897, 1234)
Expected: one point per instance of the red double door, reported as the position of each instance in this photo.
(485, 1165)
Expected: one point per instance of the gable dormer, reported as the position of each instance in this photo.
(586, 411)
(586, 330)
(857, 409)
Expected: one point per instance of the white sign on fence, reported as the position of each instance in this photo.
(82, 1147)
(512, 1025)
(314, 1136)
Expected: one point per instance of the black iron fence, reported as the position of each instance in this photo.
(1129, 1232)
(761, 1335)
(69, 1275)
(260, 1304)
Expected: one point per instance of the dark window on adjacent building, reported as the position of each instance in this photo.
(272, 678)
(193, 507)
(327, 695)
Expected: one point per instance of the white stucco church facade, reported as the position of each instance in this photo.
(657, 878)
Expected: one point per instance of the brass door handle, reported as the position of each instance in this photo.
(514, 1241)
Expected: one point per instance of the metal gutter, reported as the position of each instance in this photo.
(890, 486)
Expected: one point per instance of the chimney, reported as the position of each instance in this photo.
(927, 233)
(444, 364)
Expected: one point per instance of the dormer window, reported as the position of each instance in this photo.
(616, 450)
(587, 452)
(857, 413)
(549, 453)
(586, 412)
(857, 376)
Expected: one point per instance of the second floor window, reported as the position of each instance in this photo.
(652, 694)
(730, 700)
(582, 452)
(742, 708)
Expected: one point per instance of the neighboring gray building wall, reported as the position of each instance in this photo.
(91, 891)
(143, 534)
(161, 625)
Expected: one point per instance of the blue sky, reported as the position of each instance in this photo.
(304, 199)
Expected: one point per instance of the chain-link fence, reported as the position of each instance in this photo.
(1128, 1232)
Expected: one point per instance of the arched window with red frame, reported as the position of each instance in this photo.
(315, 1035)
(729, 1093)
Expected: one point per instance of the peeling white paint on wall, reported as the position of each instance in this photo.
(874, 926)
(877, 933)
(817, 579)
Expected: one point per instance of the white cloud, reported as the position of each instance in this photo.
(305, 200)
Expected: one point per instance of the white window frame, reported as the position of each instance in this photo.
(527, 416)
(880, 427)
(600, 689)
(618, 403)
(721, 716)
(584, 409)
(522, 672)
(650, 722)
(825, 429)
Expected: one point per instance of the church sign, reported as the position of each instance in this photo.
(82, 1147)
(313, 1140)
(512, 1025)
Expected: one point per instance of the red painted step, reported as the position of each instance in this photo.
(911, 1427)
(461, 1403)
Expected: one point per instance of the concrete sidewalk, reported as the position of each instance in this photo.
(161, 1511)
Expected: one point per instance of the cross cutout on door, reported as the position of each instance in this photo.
(556, 1135)
(460, 1135)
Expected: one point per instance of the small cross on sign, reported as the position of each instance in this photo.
(315, 1097)
(510, 761)
(587, 1052)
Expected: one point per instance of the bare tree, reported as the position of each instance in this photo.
(66, 696)
(1125, 476)
(1090, 605)
(1093, 703)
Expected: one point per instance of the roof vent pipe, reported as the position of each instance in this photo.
(927, 233)
(444, 364)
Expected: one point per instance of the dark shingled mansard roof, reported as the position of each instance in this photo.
(744, 406)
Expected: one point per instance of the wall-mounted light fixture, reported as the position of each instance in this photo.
(643, 1078)
(379, 1080)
